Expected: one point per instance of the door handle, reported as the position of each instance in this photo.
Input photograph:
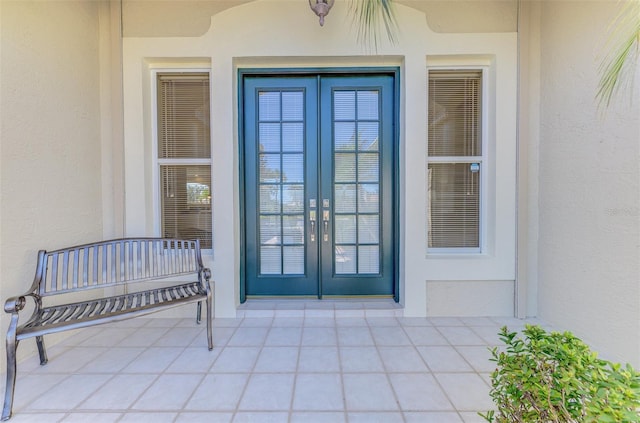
(312, 219)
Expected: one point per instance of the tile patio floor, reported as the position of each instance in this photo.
(288, 361)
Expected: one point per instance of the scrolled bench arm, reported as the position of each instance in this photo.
(15, 304)
(206, 273)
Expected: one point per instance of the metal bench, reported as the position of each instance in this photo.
(172, 269)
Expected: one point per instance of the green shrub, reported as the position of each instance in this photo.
(555, 377)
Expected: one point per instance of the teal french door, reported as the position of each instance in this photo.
(318, 185)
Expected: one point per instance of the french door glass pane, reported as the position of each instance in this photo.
(270, 230)
(345, 259)
(368, 198)
(368, 167)
(293, 260)
(344, 105)
(345, 198)
(292, 105)
(269, 105)
(344, 136)
(269, 168)
(345, 165)
(270, 199)
(293, 168)
(368, 105)
(282, 182)
(270, 260)
(293, 229)
(346, 229)
(356, 127)
(368, 136)
(292, 137)
(293, 198)
(369, 228)
(269, 134)
(368, 259)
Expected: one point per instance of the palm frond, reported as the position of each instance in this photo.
(367, 15)
(617, 68)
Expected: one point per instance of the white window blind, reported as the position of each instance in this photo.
(455, 159)
(183, 108)
(184, 156)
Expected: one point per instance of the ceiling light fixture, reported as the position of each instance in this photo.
(321, 8)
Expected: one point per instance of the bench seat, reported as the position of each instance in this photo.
(89, 313)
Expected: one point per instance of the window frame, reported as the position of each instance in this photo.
(157, 162)
(482, 159)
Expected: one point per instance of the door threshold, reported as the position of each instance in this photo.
(328, 307)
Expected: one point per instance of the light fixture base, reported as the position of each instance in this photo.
(321, 8)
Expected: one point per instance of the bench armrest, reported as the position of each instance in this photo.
(206, 273)
(15, 304)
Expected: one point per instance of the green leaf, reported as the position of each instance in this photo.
(616, 70)
(368, 14)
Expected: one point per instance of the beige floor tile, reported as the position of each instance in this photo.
(235, 360)
(204, 417)
(218, 392)
(419, 392)
(153, 360)
(360, 360)
(268, 392)
(444, 359)
(277, 360)
(318, 360)
(118, 393)
(319, 336)
(402, 359)
(432, 417)
(467, 391)
(318, 392)
(146, 417)
(368, 392)
(58, 398)
(169, 392)
(376, 417)
(261, 417)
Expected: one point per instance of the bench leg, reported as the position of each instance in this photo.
(209, 322)
(199, 312)
(12, 345)
(41, 350)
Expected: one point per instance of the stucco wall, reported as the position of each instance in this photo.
(51, 140)
(589, 179)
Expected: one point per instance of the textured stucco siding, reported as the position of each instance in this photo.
(50, 123)
(589, 176)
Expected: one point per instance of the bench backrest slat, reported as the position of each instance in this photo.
(74, 283)
(116, 262)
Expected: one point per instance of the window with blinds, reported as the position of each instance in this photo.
(455, 159)
(184, 155)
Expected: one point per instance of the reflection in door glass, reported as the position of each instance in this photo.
(281, 185)
(356, 129)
